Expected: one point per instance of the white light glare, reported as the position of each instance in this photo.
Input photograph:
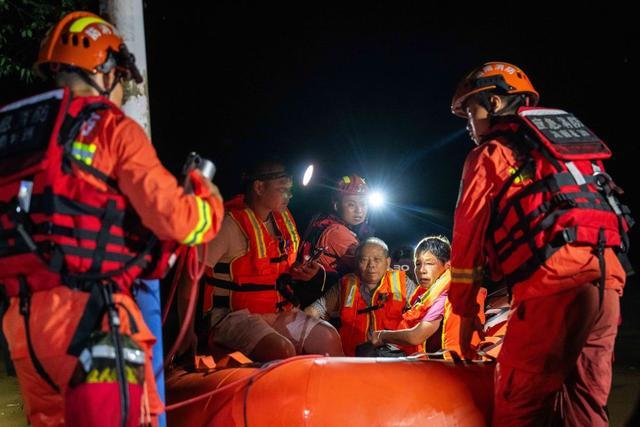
(376, 199)
(308, 173)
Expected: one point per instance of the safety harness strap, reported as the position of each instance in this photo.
(551, 183)
(25, 309)
(603, 267)
(92, 316)
(530, 265)
(47, 203)
(370, 308)
(556, 207)
(232, 286)
(221, 301)
(89, 322)
(222, 268)
(92, 171)
(69, 130)
(279, 259)
(108, 220)
(60, 230)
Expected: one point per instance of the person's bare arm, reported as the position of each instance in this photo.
(413, 336)
(326, 305)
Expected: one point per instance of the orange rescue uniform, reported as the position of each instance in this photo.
(567, 272)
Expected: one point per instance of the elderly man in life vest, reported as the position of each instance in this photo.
(367, 301)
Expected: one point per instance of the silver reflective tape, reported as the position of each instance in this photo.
(109, 352)
(498, 318)
(24, 195)
(541, 112)
(575, 172)
(54, 94)
(613, 202)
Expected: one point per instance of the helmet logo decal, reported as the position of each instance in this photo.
(79, 25)
(496, 67)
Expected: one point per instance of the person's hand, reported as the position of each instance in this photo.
(305, 271)
(376, 340)
(210, 187)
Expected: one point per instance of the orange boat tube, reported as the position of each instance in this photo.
(324, 391)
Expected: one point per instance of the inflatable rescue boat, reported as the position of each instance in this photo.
(335, 391)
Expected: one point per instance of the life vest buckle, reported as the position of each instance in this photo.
(569, 235)
(605, 183)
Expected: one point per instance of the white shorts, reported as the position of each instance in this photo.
(241, 330)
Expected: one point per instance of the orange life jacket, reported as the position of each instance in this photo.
(254, 275)
(387, 303)
(419, 308)
(415, 296)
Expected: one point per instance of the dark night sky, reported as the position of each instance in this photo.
(369, 91)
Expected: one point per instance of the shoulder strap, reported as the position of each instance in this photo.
(68, 133)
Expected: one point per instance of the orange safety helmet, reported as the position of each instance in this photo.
(84, 40)
(352, 184)
(499, 77)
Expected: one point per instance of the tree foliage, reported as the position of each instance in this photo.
(23, 24)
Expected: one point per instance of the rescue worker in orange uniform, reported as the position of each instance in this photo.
(257, 243)
(537, 212)
(428, 325)
(110, 172)
(337, 233)
(370, 300)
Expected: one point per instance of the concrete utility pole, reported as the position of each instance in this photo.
(128, 17)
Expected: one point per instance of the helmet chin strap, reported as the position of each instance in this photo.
(91, 82)
(483, 97)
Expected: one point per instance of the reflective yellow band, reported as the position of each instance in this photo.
(463, 276)
(207, 223)
(82, 23)
(204, 224)
(292, 230)
(466, 275)
(259, 235)
(466, 270)
(353, 287)
(395, 286)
